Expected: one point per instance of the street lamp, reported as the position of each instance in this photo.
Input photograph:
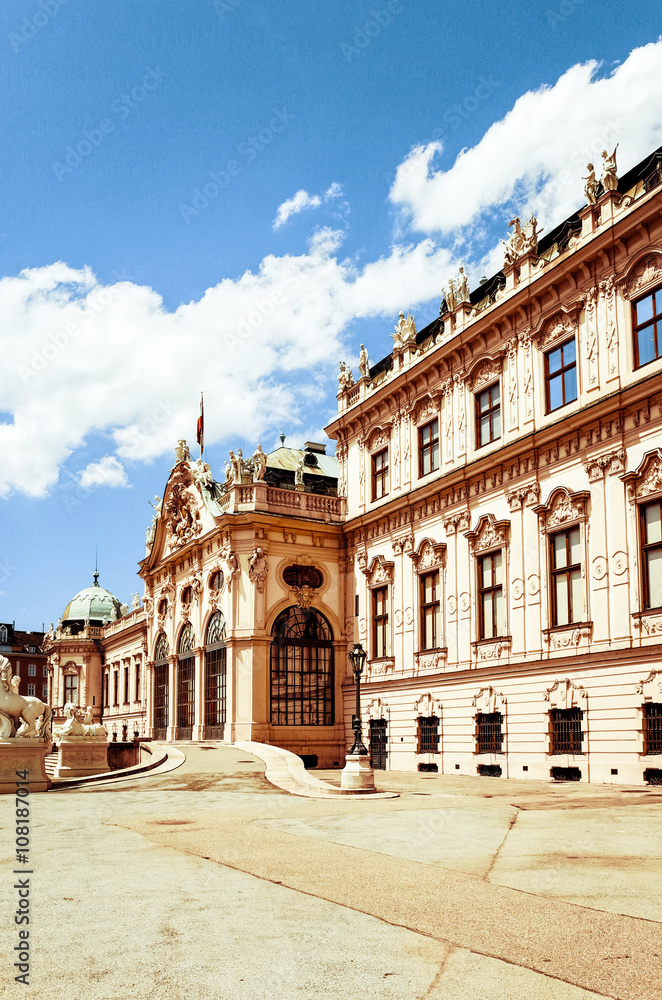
(357, 658)
(357, 774)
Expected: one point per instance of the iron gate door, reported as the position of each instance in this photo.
(378, 744)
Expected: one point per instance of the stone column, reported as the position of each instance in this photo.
(171, 732)
(199, 685)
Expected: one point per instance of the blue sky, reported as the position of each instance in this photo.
(147, 150)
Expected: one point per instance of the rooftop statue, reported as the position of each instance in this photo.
(609, 178)
(398, 336)
(591, 185)
(345, 377)
(523, 239)
(201, 473)
(462, 287)
(182, 451)
(364, 364)
(450, 295)
(259, 461)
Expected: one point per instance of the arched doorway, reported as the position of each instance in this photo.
(301, 669)
(215, 677)
(161, 687)
(185, 684)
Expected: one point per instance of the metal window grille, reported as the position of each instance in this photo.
(652, 727)
(185, 696)
(215, 677)
(301, 669)
(489, 737)
(567, 732)
(428, 734)
(160, 699)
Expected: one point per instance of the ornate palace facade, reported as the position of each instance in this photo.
(491, 533)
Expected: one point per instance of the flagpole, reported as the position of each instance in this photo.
(201, 425)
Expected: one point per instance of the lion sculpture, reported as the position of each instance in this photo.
(35, 716)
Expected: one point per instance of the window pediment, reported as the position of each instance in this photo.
(379, 572)
(646, 481)
(562, 507)
(559, 327)
(565, 694)
(483, 372)
(429, 555)
(643, 274)
(489, 701)
(488, 533)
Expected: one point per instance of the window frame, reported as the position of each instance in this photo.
(379, 624)
(437, 626)
(655, 321)
(484, 722)
(379, 476)
(644, 549)
(567, 570)
(571, 746)
(427, 448)
(560, 373)
(490, 412)
(428, 734)
(492, 589)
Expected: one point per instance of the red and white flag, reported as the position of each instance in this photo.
(200, 436)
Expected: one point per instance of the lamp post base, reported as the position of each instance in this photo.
(357, 773)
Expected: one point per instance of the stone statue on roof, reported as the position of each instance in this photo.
(364, 364)
(591, 185)
(609, 178)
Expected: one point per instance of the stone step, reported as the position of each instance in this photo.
(50, 763)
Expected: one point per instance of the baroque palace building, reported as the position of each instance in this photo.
(491, 533)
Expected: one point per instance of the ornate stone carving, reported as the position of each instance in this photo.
(611, 462)
(609, 177)
(258, 567)
(562, 507)
(181, 511)
(405, 331)
(647, 273)
(427, 706)
(522, 240)
(380, 572)
(231, 560)
(426, 408)
(484, 372)
(461, 521)
(488, 534)
(524, 496)
(493, 650)
(565, 694)
(517, 589)
(619, 563)
(566, 638)
(430, 555)
(34, 715)
(489, 701)
(599, 568)
(651, 687)
(647, 479)
(182, 451)
(345, 378)
(650, 624)
(364, 363)
(304, 596)
(559, 327)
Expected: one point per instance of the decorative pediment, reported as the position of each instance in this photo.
(559, 327)
(563, 507)
(181, 509)
(426, 407)
(483, 372)
(489, 701)
(427, 706)
(646, 481)
(379, 572)
(378, 438)
(429, 555)
(642, 274)
(377, 709)
(488, 534)
(565, 694)
(651, 688)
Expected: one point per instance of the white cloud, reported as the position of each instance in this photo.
(293, 206)
(106, 472)
(335, 191)
(80, 358)
(539, 151)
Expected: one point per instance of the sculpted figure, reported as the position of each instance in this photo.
(34, 715)
(364, 364)
(409, 330)
(462, 287)
(298, 474)
(609, 178)
(235, 463)
(135, 601)
(591, 184)
(259, 465)
(257, 568)
(399, 330)
(182, 452)
(201, 473)
(451, 298)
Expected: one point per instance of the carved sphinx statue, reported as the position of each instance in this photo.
(35, 716)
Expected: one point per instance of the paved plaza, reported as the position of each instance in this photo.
(206, 881)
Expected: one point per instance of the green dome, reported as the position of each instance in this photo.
(94, 604)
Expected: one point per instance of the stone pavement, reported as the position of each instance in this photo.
(207, 882)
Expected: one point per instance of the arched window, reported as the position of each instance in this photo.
(215, 677)
(301, 669)
(161, 687)
(185, 684)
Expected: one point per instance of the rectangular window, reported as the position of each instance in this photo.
(71, 689)
(32, 670)
(430, 611)
(652, 727)
(31, 690)
(488, 415)
(566, 572)
(106, 689)
(380, 644)
(137, 691)
(561, 375)
(651, 553)
(45, 671)
(490, 595)
(116, 687)
(380, 474)
(567, 732)
(126, 686)
(647, 323)
(44, 691)
(427, 734)
(489, 736)
(428, 447)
